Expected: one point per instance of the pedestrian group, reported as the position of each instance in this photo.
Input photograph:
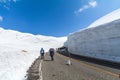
(51, 52)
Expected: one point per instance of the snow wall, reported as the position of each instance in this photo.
(102, 42)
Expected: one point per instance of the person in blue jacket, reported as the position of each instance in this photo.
(42, 53)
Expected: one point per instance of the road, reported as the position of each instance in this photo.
(79, 70)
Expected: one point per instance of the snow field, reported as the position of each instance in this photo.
(19, 50)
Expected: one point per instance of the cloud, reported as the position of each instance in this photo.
(6, 7)
(1, 18)
(91, 4)
(6, 3)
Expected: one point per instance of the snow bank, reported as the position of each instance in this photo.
(98, 41)
(19, 50)
(115, 15)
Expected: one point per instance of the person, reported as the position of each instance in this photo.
(42, 53)
(52, 52)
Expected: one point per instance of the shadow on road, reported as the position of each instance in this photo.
(46, 60)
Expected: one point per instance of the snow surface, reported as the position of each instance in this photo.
(18, 51)
(100, 40)
(107, 18)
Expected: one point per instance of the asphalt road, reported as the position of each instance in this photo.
(79, 70)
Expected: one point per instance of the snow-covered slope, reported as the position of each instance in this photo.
(18, 51)
(100, 40)
(107, 18)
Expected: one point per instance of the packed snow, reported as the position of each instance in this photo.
(18, 51)
(115, 15)
(100, 40)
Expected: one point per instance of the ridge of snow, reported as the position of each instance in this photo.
(115, 15)
(11, 36)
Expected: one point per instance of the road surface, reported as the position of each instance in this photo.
(79, 70)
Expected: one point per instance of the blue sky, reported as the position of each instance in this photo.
(53, 17)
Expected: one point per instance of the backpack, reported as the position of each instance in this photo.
(51, 51)
(42, 51)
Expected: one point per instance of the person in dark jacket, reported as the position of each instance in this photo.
(42, 53)
(52, 52)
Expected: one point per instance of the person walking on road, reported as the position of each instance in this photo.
(52, 52)
(42, 53)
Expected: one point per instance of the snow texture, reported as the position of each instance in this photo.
(107, 18)
(18, 51)
(98, 41)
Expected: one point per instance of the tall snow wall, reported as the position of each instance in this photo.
(101, 42)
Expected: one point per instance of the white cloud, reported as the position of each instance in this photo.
(91, 3)
(6, 3)
(1, 18)
(5, 6)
